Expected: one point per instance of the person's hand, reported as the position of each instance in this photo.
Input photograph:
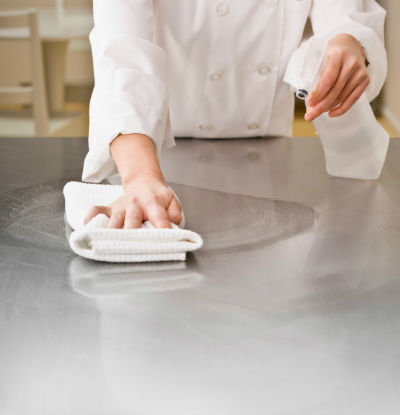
(144, 198)
(343, 79)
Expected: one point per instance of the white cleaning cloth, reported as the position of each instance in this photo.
(95, 241)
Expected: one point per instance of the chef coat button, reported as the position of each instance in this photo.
(263, 70)
(206, 127)
(253, 126)
(222, 8)
(216, 76)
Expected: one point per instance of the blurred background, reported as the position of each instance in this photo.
(59, 33)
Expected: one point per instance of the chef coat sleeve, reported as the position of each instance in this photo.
(130, 94)
(364, 19)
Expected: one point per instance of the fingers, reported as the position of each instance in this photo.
(349, 101)
(157, 215)
(174, 211)
(360, 77)
(328, 78)
(128, 212)
(117, 219)
(317, 108)
(96, 210)
(133, 217)
(344, 78)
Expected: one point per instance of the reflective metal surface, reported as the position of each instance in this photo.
(291, 307)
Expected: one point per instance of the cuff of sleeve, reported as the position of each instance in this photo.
(138, 103)
(141, 106)
(374, 50)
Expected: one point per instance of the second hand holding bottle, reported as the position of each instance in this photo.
(355, 144)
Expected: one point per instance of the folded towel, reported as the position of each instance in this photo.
(95, 241)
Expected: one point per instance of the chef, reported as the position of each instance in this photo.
(211, 69)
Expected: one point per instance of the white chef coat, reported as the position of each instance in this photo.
(208, 68)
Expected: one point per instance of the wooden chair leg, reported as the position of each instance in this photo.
(40, 107)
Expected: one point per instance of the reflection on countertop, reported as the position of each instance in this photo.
(292, 306)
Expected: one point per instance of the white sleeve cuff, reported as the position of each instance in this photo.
(374, 50)
(126, 99)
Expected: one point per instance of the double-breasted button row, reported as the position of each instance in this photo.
(207, 127)
(263, 70)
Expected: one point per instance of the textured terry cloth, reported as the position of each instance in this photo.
(95, 241)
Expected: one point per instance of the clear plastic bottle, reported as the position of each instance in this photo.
(355, 144)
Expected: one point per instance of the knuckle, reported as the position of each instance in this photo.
(353, 62)
(152, 199)
(165, 192)
(134, 200)
(337, 53)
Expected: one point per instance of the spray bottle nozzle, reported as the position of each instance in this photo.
(301, 93)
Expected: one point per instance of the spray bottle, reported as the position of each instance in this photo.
(355, 144)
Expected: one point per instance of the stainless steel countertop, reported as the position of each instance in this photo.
(291, 307)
